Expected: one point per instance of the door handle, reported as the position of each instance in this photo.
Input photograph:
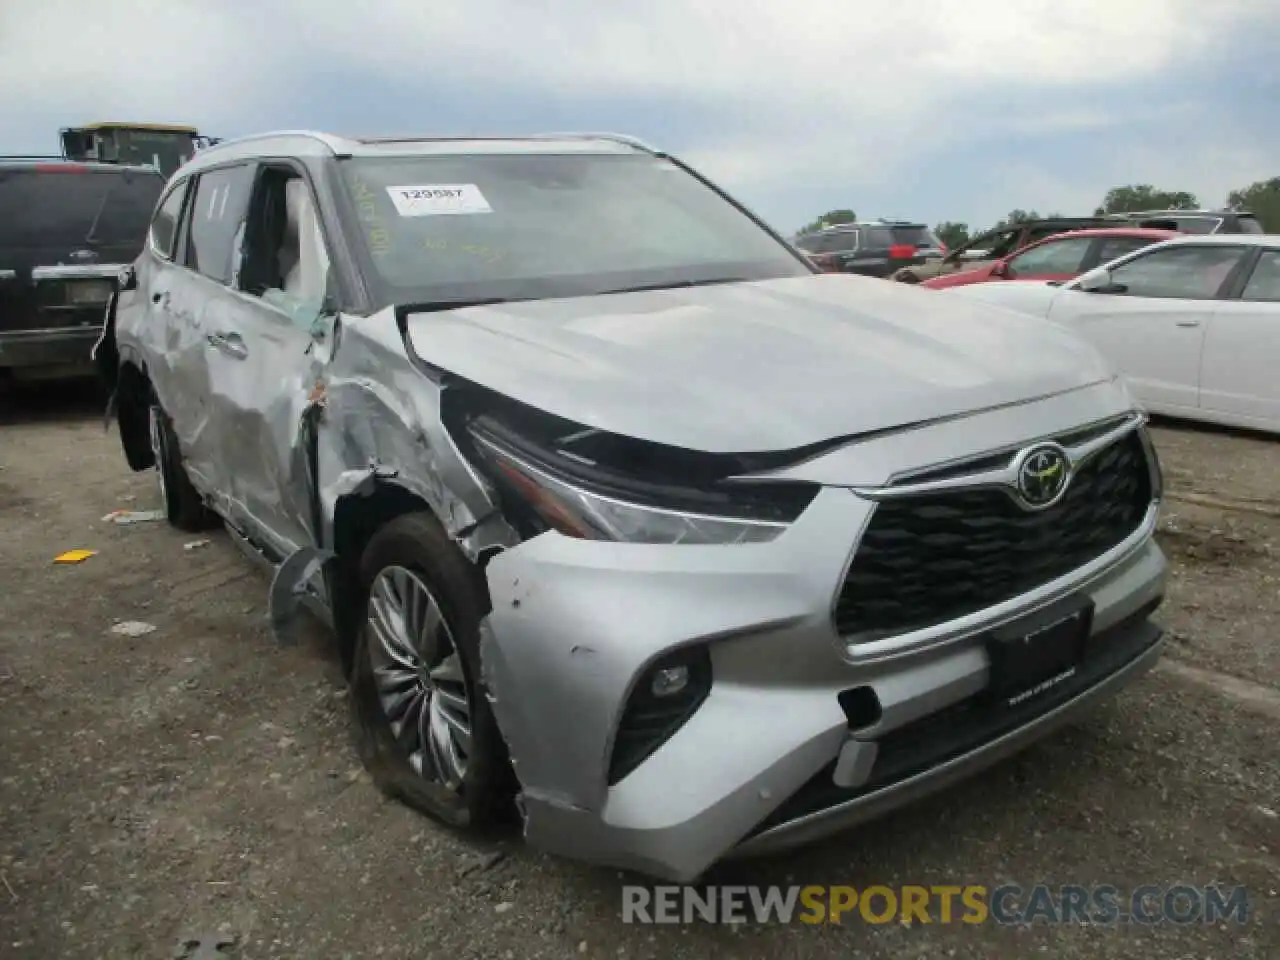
(1188, 323)
(232, 344)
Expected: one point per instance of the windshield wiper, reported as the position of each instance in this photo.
(91, 237)
(675, 284)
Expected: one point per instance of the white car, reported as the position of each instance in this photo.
(1193, 324)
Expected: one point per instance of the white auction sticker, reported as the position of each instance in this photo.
(439, 198)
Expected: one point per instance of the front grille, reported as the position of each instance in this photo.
(927, 559)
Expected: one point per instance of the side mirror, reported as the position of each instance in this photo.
(1100, 281)
(128, 278)
(999, 269)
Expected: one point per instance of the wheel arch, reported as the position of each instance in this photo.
(357, 516)
(133, 398)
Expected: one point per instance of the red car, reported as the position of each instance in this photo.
(1063, 256)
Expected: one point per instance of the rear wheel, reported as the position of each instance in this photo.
(423, 724)
(183, 504)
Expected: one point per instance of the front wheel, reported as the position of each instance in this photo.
(423, 724)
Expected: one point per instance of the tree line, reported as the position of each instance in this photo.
(1261, 199)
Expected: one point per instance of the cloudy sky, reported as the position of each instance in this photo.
(937, 109)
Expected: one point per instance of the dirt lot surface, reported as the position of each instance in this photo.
(199, 780)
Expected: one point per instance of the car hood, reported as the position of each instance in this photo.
(746, 367)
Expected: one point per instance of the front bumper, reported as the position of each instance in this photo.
(576, 623)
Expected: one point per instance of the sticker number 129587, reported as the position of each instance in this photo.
(437, 199)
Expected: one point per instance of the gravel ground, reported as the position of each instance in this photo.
(199, 780)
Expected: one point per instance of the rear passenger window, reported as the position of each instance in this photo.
(222, 197)
(1113, 248)
(164, 226)
(830, 242)
(1051, 258)
(879, 238)
(1264, 284)
(1181, 272)
(844, 241)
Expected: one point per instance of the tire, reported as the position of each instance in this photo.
(407, 557)
(183, 505)
(908, 278)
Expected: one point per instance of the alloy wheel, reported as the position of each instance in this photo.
(418, 676)
(157, 449)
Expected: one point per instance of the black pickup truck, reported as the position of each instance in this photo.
(66, 231)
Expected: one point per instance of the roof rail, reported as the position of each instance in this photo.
(1202, 211)
(333, 142)
(622, 138)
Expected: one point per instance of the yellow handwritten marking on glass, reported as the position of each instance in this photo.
(488, 254)
(367, 212)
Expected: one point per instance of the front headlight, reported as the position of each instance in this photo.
(605, 506)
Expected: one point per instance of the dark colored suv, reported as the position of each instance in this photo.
(875, 248)
(66, 232)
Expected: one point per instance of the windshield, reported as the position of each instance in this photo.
(1000, 245)
(529, 226)
(918, 237)
(833, 242)
(1197, 224)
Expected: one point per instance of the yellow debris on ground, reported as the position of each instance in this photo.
(74, 556)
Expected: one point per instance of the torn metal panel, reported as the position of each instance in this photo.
(293, 582)
(382, 423)
(262, 374)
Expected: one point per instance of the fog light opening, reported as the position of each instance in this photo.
(665, 696)
(669, 681)
(861, 706)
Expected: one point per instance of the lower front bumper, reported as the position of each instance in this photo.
(1139, 643)
(576, 622)
(68, 347)
(680, 852)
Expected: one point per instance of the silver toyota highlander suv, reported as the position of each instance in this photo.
(623, 517)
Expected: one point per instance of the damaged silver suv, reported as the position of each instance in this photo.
(624, 518)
